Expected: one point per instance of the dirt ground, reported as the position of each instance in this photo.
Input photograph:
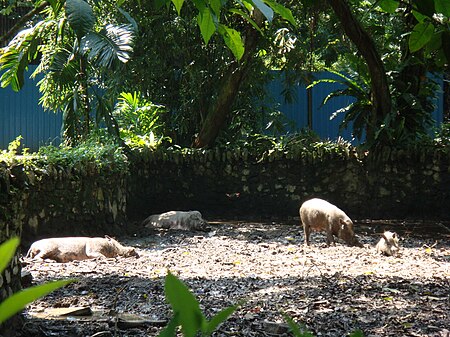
(332, 290)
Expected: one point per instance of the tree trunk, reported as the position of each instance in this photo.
(381, 97)
(228, 89)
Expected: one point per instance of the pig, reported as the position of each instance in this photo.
(68, 249)
(388, 244)
(191, 220)
(320, 215)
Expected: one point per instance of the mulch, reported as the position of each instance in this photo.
(263, 266)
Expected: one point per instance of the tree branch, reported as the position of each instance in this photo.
(19, 24)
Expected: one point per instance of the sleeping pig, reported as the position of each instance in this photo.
(78, 248)
(388, 244)
(319, 215)
(191, 220)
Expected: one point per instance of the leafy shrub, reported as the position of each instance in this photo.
(13, 304)
(98, 150)
(138, 120)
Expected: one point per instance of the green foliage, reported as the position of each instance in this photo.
(139, 120)
(13, 304)
(81, 57)
(12, 154)
(187, 313)
(209, 19)
(98, 151)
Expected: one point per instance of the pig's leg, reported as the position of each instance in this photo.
(307, 230)
(330, 238)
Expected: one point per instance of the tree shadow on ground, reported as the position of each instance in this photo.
(332, 304)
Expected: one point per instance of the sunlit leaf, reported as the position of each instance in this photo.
(184, 305)
(178, 5)
(266, 10)
(233, 40)
(420, 36)
(206, 23)
(389, 6)
(281, 10)
(7, 251)
(219, 318)
(19, 300)
(113, 43)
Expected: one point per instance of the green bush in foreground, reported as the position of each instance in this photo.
(13, 304)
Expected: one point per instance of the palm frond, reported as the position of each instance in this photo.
(112, 44)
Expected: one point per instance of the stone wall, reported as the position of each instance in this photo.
(40, 201)
(396, 184)
(43, 200)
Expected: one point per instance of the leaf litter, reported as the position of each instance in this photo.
(333, 291)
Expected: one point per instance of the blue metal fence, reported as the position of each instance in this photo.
(325, 127)
(21, 114)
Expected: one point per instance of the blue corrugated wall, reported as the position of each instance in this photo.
(21, 114)
(297, 111)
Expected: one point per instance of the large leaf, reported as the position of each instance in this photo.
(184, 305)
(281, 10)
(420, 36)
(205, 21)
(80, 16)
(389, 6)
(233, 40)
(218, 319)
(442, 6)
(171, 329)
(14, 63)
(425, 7)
(19, 300)
(266, 10)
(112, 44)
(178, 5)
(7, 250)
(18, 54)
(216, 6)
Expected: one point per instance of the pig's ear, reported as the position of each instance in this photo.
(394, 235)
(342, 223)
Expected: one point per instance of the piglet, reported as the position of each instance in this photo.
(388, 244)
